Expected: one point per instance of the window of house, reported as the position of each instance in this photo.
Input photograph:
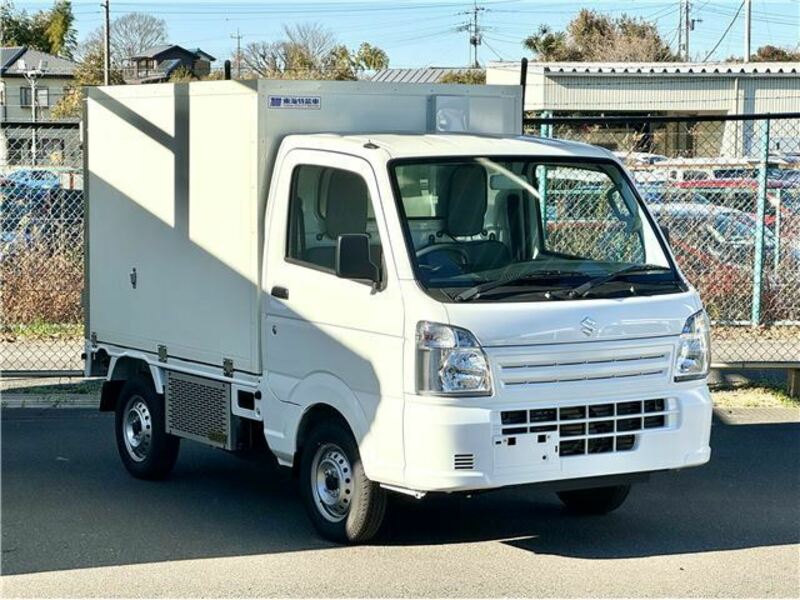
(42, 97)
(19, 151)
(324, 204)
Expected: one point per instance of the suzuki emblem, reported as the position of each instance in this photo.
(589, 326)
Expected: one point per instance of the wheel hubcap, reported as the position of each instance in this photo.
(138, 429)
(332, 482)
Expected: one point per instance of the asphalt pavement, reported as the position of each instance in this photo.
(75, 524)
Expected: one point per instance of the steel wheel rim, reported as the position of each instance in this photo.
(137, 429)
(332, 483)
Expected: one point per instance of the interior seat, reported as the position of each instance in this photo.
(466, 211)
(346, 212)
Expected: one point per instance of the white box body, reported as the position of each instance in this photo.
(178, 177)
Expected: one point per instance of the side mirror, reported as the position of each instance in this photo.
(665, 232)
(353, 259)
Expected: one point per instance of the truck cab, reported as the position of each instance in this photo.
(437, 312)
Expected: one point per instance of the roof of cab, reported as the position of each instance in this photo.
(456, 144)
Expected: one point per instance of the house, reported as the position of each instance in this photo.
(642, 89)
(16, 102)
(20, 142)
(156, 64)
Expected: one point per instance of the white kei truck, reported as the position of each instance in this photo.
(388, 288)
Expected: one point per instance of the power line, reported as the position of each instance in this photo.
(725, 33)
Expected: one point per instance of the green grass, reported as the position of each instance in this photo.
(42, 329)
(753, 396)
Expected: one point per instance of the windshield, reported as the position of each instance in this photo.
(520, 228)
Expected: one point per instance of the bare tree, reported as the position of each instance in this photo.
(133, 33)
(130, 35)
(310, 52)
(265, 59)
(311, 39)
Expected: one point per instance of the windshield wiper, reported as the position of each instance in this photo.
(584, 288)
(486, 286)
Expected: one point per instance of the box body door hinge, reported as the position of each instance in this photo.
(227, 367)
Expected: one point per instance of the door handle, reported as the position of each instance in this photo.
(280, 292)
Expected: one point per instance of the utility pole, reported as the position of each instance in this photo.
(238, 38)
(32, 76)
(747, 24)
(106, 43)
(474, 29)
(680, 29)
(686, 25)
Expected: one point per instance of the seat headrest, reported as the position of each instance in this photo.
(466, 204)
(348, 201)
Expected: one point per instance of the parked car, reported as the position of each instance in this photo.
(717, 234)
(33, 184)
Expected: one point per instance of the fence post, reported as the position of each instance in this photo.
(777, 257)
(761, 202)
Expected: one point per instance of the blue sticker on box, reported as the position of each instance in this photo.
(301, 102)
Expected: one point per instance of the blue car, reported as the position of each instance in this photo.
(34, 186)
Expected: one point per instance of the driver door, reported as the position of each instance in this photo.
(324, 335)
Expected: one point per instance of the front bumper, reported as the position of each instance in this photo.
(451, 447)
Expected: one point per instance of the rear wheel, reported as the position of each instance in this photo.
(343, 504)
(596, 501)
(146, 449)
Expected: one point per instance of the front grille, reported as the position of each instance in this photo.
(199, 409)
(593, 428)
(528, 367)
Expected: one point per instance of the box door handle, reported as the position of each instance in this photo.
(280, 292)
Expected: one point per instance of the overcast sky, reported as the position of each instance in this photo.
(417, 33)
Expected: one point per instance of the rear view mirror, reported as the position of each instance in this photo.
(353, 259)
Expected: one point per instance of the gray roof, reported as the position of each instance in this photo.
(56, 66)
(661, 68)
(154, 51)
(422, 75)
(202, 53)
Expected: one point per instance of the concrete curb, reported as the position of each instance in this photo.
(49, 401)
(757, 416)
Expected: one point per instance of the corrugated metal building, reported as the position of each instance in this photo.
(420, 75)
(638, 89)
(659, 88)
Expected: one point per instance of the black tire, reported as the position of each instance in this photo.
(154, 459)
(364, 500)
(596, 501)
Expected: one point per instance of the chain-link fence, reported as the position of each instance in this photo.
(727, 189)
(41, 247)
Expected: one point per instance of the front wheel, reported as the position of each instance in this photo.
(343, 504)
(596, 501)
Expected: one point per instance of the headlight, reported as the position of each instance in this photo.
(450, 362)
(694, 348)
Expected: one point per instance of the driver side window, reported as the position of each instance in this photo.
(325, 203)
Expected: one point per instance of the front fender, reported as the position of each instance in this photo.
(326, 388)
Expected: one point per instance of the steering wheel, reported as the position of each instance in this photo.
(451, 248)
